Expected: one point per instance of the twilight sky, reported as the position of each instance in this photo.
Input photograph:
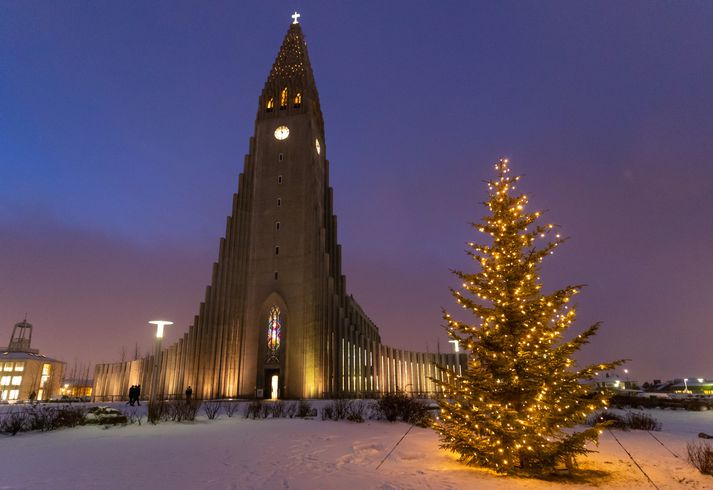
(123, 128)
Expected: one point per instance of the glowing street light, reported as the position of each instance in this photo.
(456, 349)
(157, 352)
(701, 380)
(685, 384)
(159, 327)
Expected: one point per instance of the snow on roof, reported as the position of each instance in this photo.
(12, 356)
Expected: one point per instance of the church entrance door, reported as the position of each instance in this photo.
(272, 384)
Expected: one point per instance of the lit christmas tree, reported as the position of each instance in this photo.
(509, 409)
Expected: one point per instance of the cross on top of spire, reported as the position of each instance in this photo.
(295, 16)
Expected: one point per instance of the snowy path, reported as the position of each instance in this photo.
(311, 454)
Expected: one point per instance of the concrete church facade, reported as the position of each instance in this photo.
(276, 320)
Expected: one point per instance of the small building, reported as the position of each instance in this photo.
(690, 386)
(614, 382)
(25, 373)
(76, 388)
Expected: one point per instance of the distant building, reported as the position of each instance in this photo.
(76, 388)
(614, 382)
(24, 372)
(695, 386)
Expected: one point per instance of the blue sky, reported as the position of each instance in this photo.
(123, 129)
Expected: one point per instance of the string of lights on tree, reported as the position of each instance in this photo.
(509, 409)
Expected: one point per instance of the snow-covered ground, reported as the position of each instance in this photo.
(314, 454)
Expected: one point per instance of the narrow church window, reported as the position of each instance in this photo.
(279, 179)
(273, 333)
(298, 99)
(270, 104)
(277, 250)
(277, 225)
(283, 98)
(276, 275)
(279, 202)
(281, 157)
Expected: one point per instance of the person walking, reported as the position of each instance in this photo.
(189, 394)
(137, 394)
(131, 395)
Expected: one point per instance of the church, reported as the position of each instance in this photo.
(277, 320)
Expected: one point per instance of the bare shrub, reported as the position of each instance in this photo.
(132, 415)
(291, 410)
(42, 418)
(355, 411)
(231, 408)
(631, 420)
(304, 409)
(642, 421)
(14, 421)
(168, 412)
(72, 416)
(277, 409)
(265, 410)
(45, 417)
(336, 410)
(211, 409)
(156, 412)
(399, 406)
(701, 456)
(327, 412)
(179, 410)
(190, 410)
(253, 409)
(341, 408)
(609, 418)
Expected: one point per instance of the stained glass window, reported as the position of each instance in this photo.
(270, 104)
(298, 99)
(283, 98)
(273, 334)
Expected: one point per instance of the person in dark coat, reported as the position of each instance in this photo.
(137, 394)
(189, 394)
(132, 389)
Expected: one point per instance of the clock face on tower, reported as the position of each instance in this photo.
(282, 132)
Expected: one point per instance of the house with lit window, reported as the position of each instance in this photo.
(25, 373)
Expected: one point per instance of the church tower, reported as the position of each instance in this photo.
(287, 248)
(270, 283)
(276, 321)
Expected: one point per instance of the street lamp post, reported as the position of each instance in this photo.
(685, 384)
(456, 349)
(157, 353)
